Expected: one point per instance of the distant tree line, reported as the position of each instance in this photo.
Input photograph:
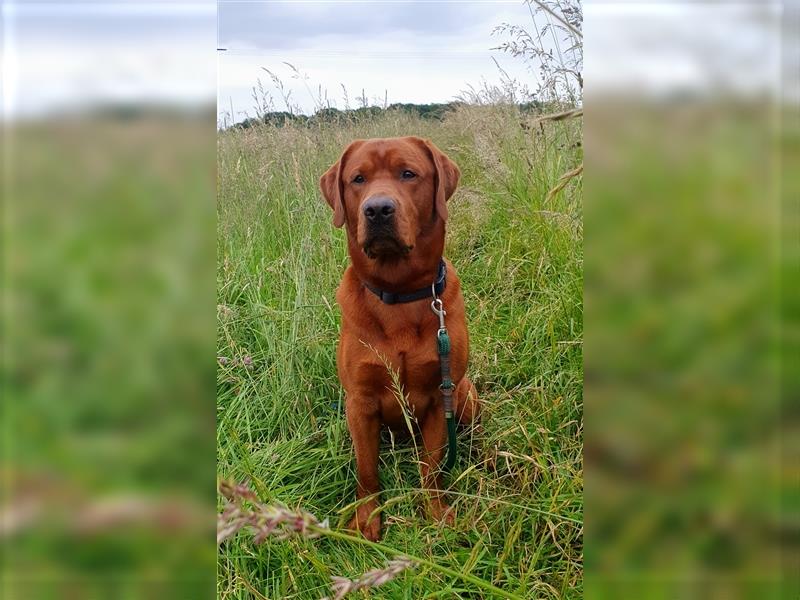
(334, 115)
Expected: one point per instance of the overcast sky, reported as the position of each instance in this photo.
(73, 53)
(401, 51)
(58, 54)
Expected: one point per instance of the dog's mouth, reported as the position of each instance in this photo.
(384, 246)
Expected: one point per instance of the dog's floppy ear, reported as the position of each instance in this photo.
(447, 175)
(333, 187)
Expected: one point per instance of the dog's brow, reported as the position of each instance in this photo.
(408, 160)
(357, 167)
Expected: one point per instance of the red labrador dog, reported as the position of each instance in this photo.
(391, 197)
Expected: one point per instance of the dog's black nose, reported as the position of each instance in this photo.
(379, 209)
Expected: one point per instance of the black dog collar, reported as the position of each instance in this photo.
(426, 292)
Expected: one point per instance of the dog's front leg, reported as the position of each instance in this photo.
(434, 438)
(364, 428)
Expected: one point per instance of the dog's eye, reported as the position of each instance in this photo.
(408, 174)
(358, 179)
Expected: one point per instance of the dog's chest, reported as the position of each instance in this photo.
(407, 357)
(418, 362)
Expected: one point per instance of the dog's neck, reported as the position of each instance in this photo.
(400, 275)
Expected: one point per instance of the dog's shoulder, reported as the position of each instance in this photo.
(350, 288)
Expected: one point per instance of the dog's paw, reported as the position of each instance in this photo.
(439, 511)
(369, 528)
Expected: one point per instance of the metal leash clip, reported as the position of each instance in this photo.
(438, 308)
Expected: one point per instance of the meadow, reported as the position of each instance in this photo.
(108, 425)
(515, 237)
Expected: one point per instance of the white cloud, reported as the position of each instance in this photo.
(660, 48)
(59, 55)
(407, 53)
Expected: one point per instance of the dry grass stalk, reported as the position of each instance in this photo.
(371, 579)
(279, 522)
(564, 180)
(263, 520)
(560, 116)
(560, 18)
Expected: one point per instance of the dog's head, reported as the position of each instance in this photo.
(390, 193)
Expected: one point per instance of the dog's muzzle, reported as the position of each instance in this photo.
(381, 227)
(379, 212)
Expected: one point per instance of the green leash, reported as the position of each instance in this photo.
(443, 346)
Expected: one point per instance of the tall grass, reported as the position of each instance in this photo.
(517, 488)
